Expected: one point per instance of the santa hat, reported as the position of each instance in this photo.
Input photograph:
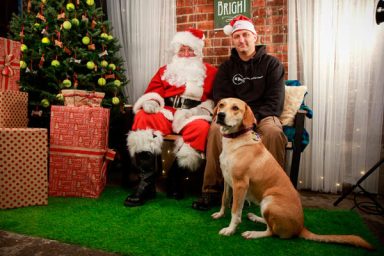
(239, 23)
(192, 37)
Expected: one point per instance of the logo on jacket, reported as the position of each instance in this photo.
(239, 79)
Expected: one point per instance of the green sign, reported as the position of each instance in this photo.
(225, 10)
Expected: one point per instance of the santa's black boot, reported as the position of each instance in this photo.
(175, 179)
(146, 162)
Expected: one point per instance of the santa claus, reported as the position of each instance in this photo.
(177, 100)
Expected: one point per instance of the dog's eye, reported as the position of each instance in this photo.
(221, 105)
(235, 108)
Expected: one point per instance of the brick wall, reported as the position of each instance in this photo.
(269, 16)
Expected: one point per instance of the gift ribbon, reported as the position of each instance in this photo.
(108, 154)
(8, 63)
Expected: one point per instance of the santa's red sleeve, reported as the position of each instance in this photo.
(155, 91)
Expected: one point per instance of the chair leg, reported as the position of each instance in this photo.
(296, 154)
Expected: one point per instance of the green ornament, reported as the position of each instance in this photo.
(67, 83)
(112, 66)
(60, 97)
(104, 63)
(86, 40)
(90, 2)
(45, 40)
(23, 48)
(115, 100)
(55, 63)
(23, 64)
(117, 83)
(75, 22)
(90, 65)
(67, 25)
(70, 7)
(101, 81)
(45, 103)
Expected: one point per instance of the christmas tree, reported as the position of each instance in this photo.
(66, 45)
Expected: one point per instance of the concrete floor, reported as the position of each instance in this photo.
(12, 244)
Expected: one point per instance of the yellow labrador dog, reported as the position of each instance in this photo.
(252, 173)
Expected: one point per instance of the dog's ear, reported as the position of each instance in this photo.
(249, 118)
(215, 112)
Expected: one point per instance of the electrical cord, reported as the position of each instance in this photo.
(369, 207)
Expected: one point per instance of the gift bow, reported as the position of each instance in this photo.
(90, 99)
(9, 63)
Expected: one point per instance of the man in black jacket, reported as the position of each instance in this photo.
(257, 78)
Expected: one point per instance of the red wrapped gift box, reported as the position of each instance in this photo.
(13, 109)
(79, 151)
(9, 64)
(23, 167)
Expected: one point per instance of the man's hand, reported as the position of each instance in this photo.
(151, 106)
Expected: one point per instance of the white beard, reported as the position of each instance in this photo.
(182, 71)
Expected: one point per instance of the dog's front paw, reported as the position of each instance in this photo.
(217, 215)
(249, 234)
(227, 231)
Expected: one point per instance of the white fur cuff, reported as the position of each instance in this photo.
(144, 140)
(186, 156)
(148, 96)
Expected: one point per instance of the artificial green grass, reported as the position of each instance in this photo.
(169, 227)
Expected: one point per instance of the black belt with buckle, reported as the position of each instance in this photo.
(181, 102)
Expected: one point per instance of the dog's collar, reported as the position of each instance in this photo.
(237, 134)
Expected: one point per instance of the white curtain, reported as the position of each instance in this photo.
(145, 29)
(337, 50)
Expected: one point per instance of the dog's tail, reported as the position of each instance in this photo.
(339, 239)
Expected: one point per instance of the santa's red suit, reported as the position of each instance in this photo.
(177, 100)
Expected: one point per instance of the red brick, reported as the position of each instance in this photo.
(275, 2)
(182, 19)
(266, 39)
(226, 41)
(278, 38)
(180, 3)
(217, 34)
(203, 2)
(203, 8)
(219, 51)
(210, 60)
(182, 27)
(258, 3)
(216, 42)
(205, 25)
(197, 17)
(184, 10)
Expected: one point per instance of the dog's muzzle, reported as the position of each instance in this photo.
(220, 118)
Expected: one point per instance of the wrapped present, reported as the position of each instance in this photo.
(13, 109)
(79, 151)
(9, 64)
(79, 98)
(23, 167)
